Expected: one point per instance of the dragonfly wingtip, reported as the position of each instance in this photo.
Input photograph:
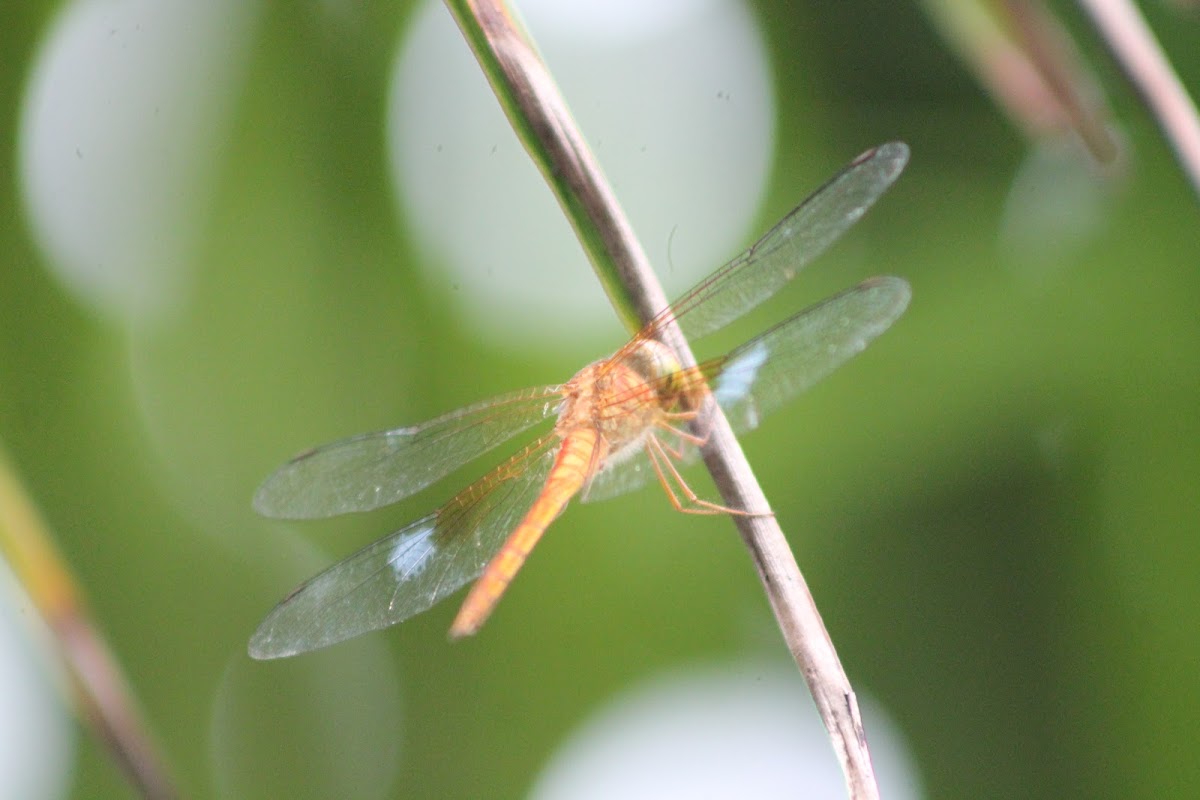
(261, 650)
(896, 152)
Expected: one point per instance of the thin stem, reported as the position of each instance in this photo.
(542, 121)
(1023, 58)
(539, 114)
(1053, 55)
(1140, 55)
(101, 693)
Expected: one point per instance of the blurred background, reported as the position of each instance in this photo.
(234, 230)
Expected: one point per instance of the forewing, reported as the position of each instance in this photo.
(801, 236)
(407, 572)
(764, 373)
(376, 469)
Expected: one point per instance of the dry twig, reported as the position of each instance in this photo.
(101, 693)
(540, 116)
(1133, 44)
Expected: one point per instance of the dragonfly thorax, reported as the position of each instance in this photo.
(655, 362)
(623, 397)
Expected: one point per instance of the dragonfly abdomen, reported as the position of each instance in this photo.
(581, 452)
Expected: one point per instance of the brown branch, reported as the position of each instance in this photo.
(1076, 93)
(538, 112)
(1133, 45)
(101, 694)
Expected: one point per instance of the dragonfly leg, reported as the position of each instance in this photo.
(658, 455)
(685, 416)
(664, 467)
(685, 436)
(677, 452)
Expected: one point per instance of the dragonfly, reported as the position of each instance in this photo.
(619, 423)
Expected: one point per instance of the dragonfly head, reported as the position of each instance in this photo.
(659, 366)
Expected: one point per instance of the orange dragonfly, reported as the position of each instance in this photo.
(611, 420)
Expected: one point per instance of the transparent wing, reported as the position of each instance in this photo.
(376, 469)
(801, 236)
(635, 472)
(770, 369)
(407, 572)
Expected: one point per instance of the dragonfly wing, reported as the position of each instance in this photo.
(774, 367)
(412, 569)
(376, 469)
(801, 236)
(616, 479)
